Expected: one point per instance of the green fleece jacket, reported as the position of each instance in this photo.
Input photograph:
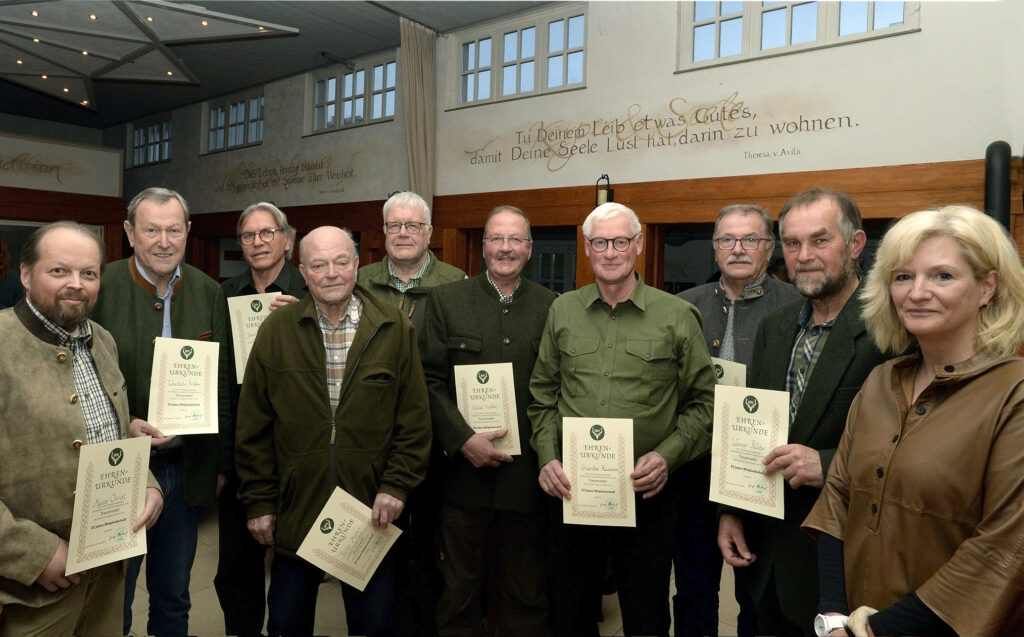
(292, 449)
(130, 310)
(414, 302)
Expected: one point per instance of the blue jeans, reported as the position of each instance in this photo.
(171, 548)
(294, 584)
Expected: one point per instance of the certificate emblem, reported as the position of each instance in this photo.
(187, 352)
(327, 526)
(719, 372)
(750, 404)
(597, 432)
(482, 377)
(256, 305)
(115, 457)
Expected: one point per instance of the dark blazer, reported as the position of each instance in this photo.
(465, 324)
(848, 357)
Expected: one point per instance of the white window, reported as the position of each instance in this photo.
(238, 122)
(528, 55)
(715, 33)
(353, 95)
(151, 143)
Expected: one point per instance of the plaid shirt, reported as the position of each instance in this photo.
(100, 418)
(811, 338)
(337, 341)
(502, 297)
(413, 281)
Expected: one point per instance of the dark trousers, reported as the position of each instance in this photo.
(641, 560)
(294, 584)
(240, 579)
(515, 540)
(773, 620)
(698, 561)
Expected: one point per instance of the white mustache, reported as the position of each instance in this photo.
(739, 259)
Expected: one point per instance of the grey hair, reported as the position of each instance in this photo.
(608, 211)
(159, 195)
(280, 219)
(407, 200)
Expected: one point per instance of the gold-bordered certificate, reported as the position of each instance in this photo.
(597, 457)
(729, 372)
(183, 386)
(486, 396)
(109, 494)
(247, 314)
(748, 424)
(344, 542)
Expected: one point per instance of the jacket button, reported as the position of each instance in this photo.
(725, 310)
(74, 398)
(949, 368)
(879, 472)
(506, 340)
(77, 444)
(462, 346)
(61, 357)
(896, 437)
(874, 508)
(920, 410)
(504, 310)
(158, 306)
(716, 343)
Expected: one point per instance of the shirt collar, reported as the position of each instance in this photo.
(637, 297)
(416, 277)
(502, 297)
(805, 319)
(751, 290)
(170, 285)
(352, 313)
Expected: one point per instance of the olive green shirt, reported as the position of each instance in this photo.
(645, 359)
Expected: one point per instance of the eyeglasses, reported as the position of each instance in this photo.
(412, 227)
(515, 242)
(621, 244)
(266, 235)
(747, 243)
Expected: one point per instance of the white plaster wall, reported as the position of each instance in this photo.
(940, 94)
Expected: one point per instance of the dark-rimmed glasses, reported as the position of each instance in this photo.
(621, 244)
(266, 235)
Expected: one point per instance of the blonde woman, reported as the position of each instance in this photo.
(922, 514)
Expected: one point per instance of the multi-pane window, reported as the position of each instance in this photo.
(151, 143)
(527, 56)
(237, 123)
(325, 103)
(357, 95)
(725, 31)
(383, 96)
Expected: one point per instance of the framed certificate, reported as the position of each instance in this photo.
(183, 387)
(729, 372)
(344, 542)
(597, 457)
(748, 423)
(109, 494)
(247, 314)
(486, 396)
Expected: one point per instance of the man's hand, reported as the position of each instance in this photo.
(650, 474)
(52, 578)
(731, 541)
(281, 300)
(222, 480)
(479, 449)
(386, 509)
(262, 528)
(150, 511)
(554, 481)
(800, 465)
(139, 428)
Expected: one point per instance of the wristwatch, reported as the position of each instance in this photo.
(825, 624)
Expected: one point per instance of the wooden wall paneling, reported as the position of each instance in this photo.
(584, 273)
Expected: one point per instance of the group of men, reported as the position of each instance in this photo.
(350, 382)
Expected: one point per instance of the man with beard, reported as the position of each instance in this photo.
(60, 387)
(731, 308)
(490, 499)
(818, 350)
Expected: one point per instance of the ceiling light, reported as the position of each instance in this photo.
(205, 23)
(261, 29)
(170, 73)
(84, 102)
(149, 18)
(44, 77)
(67, 90)
(85, 53)
(20, 62)
(35, 14)
(92, 16)
(36, 40)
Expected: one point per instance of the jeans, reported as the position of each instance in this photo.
(171, 548)
(294, 584)
(240, 567)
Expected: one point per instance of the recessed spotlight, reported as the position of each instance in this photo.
(205, 23)
(35, 14)
(84, 102)
(92, 16)
(170, 73)
(262, 29)
(20, 62)
(149, 18)
(44, 77)
(36, 40)
(67, 90)
(85, 53)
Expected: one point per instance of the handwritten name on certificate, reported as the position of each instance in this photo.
(729, 372)
(247, 314)
(597, 457)
(344, 542)
(748, 424)
(109, 494)
(486, 395)
(183, 386)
